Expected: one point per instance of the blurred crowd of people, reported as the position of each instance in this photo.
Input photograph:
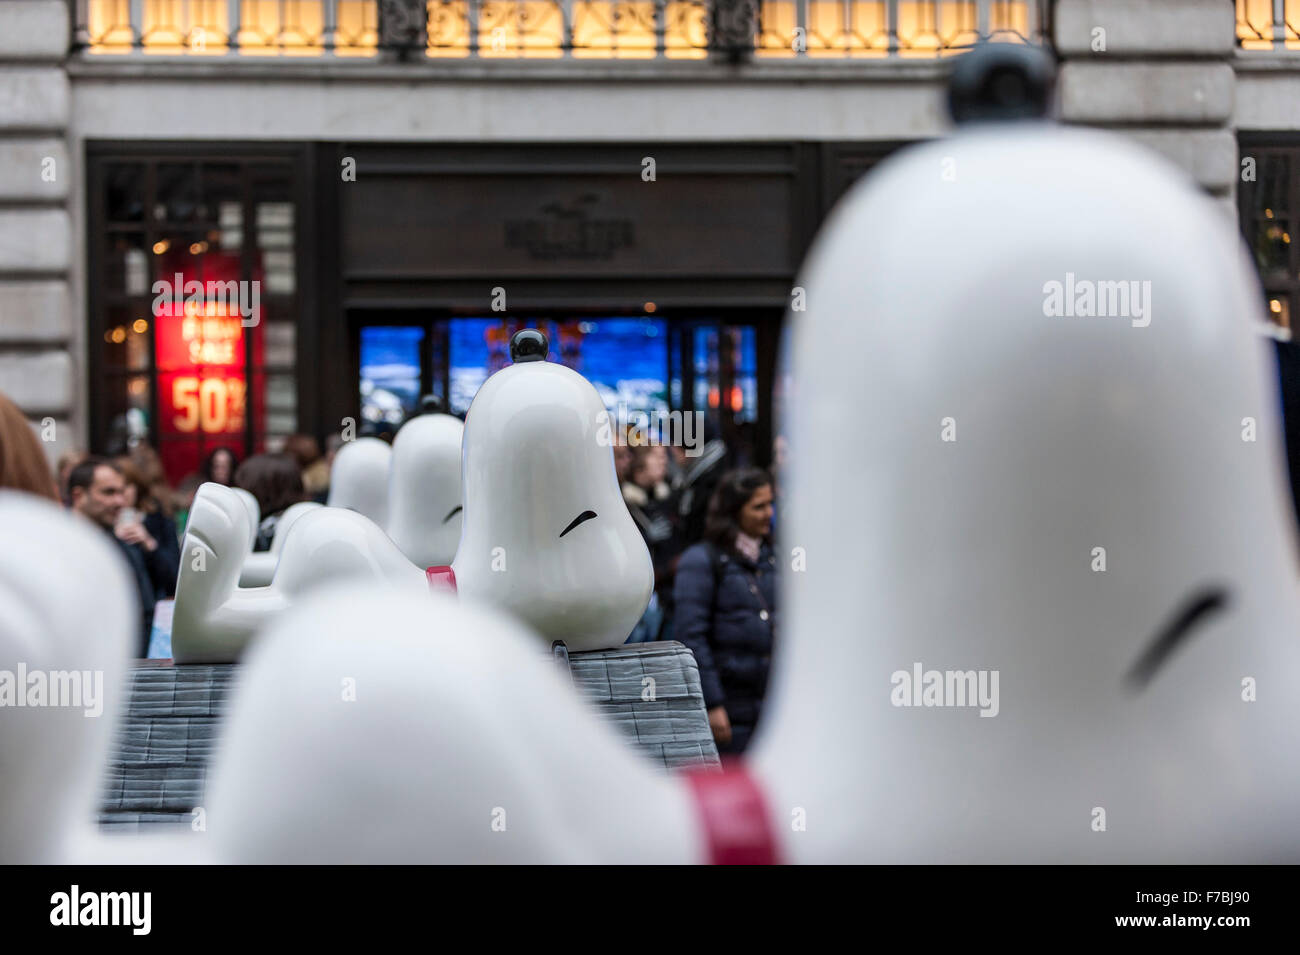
(127, 494)
(708, 525)
(706, 520)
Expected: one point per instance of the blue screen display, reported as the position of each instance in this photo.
(390, 373)
(626, 359)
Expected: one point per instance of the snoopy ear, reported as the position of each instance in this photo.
(287, 520)
(253, 512)
(217, 539)
(333, 543)
(259, 568)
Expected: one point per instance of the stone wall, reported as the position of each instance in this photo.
(1160, 71)
(37, 332)
(1165, 72)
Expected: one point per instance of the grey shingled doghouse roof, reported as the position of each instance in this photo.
(162, 747)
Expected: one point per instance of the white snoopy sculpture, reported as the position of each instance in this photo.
(213, 618)
(547, 535)
(359, 478)
(259, 567)
(68, 620)
(424, 496)
(1093, 510)
(421, 500)
(542, 519)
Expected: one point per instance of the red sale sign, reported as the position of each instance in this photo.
(203, 330)
(201, 380)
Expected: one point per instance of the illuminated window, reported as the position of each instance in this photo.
(1259, 28)
(194, 307)
(862, 28)
(549, 29)
(1269, 205)
(262, 27)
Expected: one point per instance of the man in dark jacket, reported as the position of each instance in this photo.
(726, 598)
(97, 491)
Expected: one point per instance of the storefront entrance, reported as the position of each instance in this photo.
(304, 285)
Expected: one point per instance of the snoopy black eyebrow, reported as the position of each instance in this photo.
(1202, 604)
(584, 516)
(452, 513)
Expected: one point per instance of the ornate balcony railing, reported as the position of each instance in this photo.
(1268, 24)
(486, 29)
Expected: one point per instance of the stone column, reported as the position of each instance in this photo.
(1159, 71)
(37, 332)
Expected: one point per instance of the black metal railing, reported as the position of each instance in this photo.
(577, 29)
(1268, 24)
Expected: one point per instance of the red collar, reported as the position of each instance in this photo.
(441, 578)
(734, 815)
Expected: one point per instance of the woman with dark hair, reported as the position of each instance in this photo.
(143, 520)
(219, 467)
(276, 481)
(725, 596)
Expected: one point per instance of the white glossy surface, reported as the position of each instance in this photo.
(359, 478)
(1071, 433)
(424, 506)
(259, 567)
(971, 554)
(66, 604)
(214, 619)
(459, 744)
(254, 513)
(534, 460)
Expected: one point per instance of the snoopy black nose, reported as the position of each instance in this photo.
(528, 344)
(1001, 81)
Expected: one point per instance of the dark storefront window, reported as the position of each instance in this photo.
(726, 372)
(717, 366)
(1269, 204)
(193, 304)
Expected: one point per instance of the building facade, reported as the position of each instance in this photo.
(225, 221)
